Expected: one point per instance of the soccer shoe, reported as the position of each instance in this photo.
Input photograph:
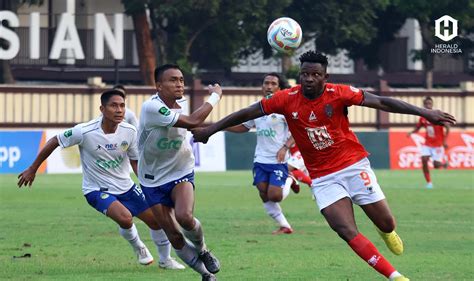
(393, 241)
(210, 261)
(209, 277)
(295, 186)
(283, 230)
(400, 278)
(171, 263)
(144, 256)
(429, 185)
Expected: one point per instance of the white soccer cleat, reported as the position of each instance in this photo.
(429, 185)
(171, 263)
(144, 256)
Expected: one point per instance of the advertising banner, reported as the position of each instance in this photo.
(18, 150)
(405, 150)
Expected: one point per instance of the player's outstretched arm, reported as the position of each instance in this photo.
(251, 112)
(398, 106)
(28, 176)
(237, 129)
(198, 116)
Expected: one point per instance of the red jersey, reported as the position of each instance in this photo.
(320, 127)
(434, 133)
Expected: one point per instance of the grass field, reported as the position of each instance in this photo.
(68, 240)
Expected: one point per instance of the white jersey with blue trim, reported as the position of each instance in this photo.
(272, 134)
(104, 157)
(165, 153)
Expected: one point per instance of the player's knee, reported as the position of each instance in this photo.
(275, 197)
(437, 164)
(185, 219)
(125, 220)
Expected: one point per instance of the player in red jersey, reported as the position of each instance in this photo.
(316, 115)
(435, 143)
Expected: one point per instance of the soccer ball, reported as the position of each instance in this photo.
(284, 35)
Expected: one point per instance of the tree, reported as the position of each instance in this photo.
(6, 76)
(146, 52)
(426, 12)
(211, 34)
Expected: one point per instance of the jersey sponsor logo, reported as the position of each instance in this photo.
(108, 164)
(165, 144)
(124, 146)
(164, 111)
(312, 117)
(68, 133)
(294, 115)
(328, 110)
(111, 146)
(319, 137)
(266, 133)
(354, 89)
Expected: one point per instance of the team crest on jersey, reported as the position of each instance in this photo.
(294, 115)
(164, 111)
(68, 133)
(312, 117)
(104, 195)
(328, 110)
(354, 89)
(124, 146)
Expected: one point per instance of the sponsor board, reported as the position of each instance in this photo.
(405, 151)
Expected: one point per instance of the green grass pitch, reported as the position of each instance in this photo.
(68, 240)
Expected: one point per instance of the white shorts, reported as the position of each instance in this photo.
(436, 153)
(358, 182)
(296, 161)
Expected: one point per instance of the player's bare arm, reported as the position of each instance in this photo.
(445, 138)
(397, 106)
(27, 177)
(285, 148)
(238, 129)
(198, 116)
(134, 164)
(251, 112)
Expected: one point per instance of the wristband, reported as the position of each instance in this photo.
(213, 99)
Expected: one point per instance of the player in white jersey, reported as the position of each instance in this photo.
(107, 145)
(130, 116)
(166, 166)
(270, 170)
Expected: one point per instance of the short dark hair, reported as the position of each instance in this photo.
(120, 87)
(162, 68)
(105, 97)
(281, 81)
(427, 98)
(314, 57)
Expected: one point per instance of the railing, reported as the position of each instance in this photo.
(64, 106)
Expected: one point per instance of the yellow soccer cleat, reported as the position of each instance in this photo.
(400, 278)
(393, 242)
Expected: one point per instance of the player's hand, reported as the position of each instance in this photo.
(27, 177)
(281, 154)
(216, 88)
(201, 134)
(439, 117)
